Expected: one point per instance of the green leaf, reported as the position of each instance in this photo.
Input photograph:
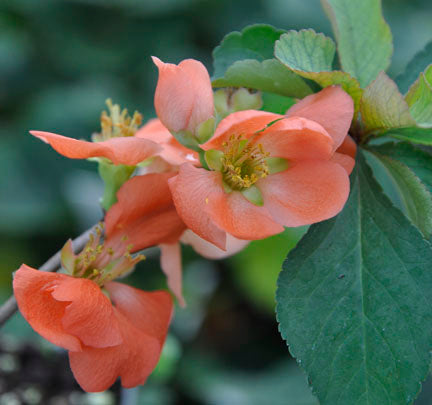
(363, 37)
(417, 65)
(383, 106)
(418, 160)
(422, 136)
(305, 50)
(416, 198)
(419, 98)
(269, 75)
(276, 103)
(354, 301)
(311, 55)
(245, 59)
(254, 42)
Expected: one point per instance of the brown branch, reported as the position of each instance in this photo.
(51, 265)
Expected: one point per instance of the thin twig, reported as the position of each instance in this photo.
(51, 265)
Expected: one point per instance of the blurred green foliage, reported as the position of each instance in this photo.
(59, 62)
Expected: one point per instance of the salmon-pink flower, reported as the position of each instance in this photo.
(116, 141)
(269, 171)
(184, 96)
(120, 336)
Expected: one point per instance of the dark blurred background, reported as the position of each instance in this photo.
(59, 62)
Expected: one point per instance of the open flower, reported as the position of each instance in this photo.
(116, 141)
(184, 97)
(269, 171)
(111, 330)
(120, 336)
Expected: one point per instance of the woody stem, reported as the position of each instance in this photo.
(51, 265)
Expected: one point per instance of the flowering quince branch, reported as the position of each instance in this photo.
(51, 265)
(218, 169)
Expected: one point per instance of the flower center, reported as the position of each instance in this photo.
(243, 163)
(117, 123)
(98, 262)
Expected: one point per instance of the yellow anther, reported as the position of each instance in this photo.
(243, 163)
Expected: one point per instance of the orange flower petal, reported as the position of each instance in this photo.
(348, 147)
(347, 162)
(331, 107)
(297, 139)
(33, 292)
(173, 152)
(191, 190)
(309, 192)
(150, 312)
(97, 369)
(145, 213)
(239, 217)
(210, 251)
(144, 319)
(89, 314)
(121, 151)
(245, 123)
(171, 266)
(183, 96)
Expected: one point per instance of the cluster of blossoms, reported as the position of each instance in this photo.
(212, 171)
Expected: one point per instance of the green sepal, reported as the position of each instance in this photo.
(213, 157)
(205, 130)
(276, 164)
(187, 139)
(226, 187)
(114, 176)
(253, 194)
(67, 257)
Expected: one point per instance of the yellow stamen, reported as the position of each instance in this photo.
(243, 163)
(117, 123)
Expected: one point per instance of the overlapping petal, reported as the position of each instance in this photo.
(171, 265)
(173, 152)
(183, 96)
(309, 192)
(192, 189)
(242, 123)
(144, 213)
(122, 150)
(332, 108)
(144, 319)
(297, 139)
(240, 218)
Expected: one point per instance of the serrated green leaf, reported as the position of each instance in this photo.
(418, 160)
(354, 301)
(254, 42)
(363, 37)
(419, 98)
(422, 136)
(305, 50)
(269, 75)
(417, 65)
(245, 59)
(415, 196)
(383, 106)
(311, 55)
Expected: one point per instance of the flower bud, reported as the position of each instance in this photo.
(230, 100)
(183, 96)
